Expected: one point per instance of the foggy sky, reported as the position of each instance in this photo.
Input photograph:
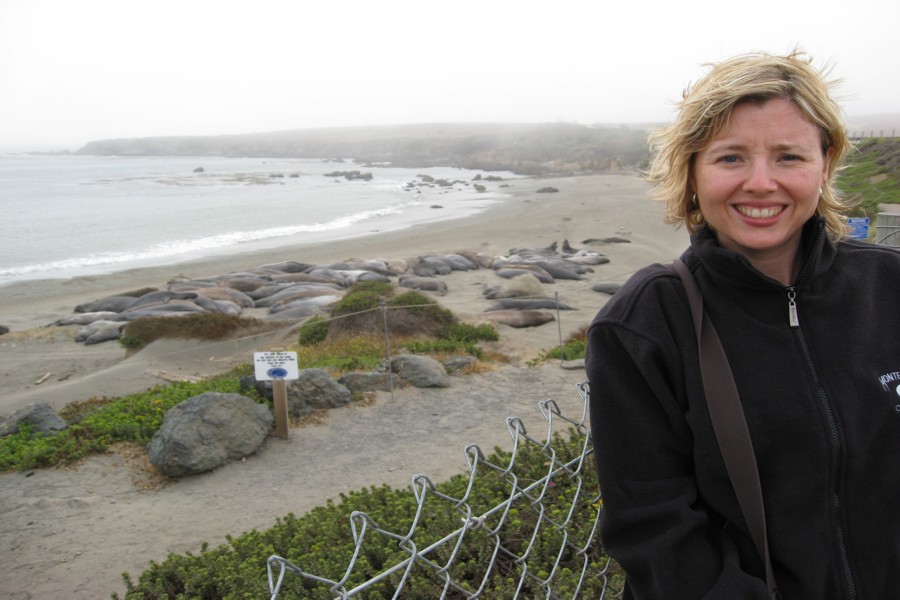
(73, 71)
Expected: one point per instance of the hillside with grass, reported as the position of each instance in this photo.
(872, 175)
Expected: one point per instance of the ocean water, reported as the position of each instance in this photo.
(65, 216)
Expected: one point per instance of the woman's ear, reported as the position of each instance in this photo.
(826, 171)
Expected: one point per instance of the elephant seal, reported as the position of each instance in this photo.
(224, 293)
(521, 318)
(606, 287)
(510, 271)
(318, 297)
(85, 318)
(163, 308)
(524, 286)
(425, 284)
(586, 257)
(100, 331)
(162, 296)
(244, 284)
(287, 267)
(528, 304)
(109, 303)
(559, 270)
(530, 251)
(316, 303)
(607, 240)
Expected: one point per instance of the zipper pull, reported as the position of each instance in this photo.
(792, 307)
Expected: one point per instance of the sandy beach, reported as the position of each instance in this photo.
(70, 533)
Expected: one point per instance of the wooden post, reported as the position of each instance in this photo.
(279, 393)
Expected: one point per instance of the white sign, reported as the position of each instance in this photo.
(275, 365)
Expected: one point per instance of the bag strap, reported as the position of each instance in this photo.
(728, 422)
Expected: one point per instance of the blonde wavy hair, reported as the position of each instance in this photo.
(706, 110)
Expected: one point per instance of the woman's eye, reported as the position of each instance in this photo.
(790, 157)
(730, 158)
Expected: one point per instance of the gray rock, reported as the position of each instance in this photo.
(315, 389)
(4, 329)
(206, 431)
(455, 363)
(420, 371)
(39, 415)
(370, 382)
(573, 365)
(263, 388)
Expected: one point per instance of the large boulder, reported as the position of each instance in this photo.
(315, 389)
(370, 382)
(420, 371)
(206, 431)
(39, 415)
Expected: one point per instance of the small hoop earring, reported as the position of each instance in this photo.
(694, 201)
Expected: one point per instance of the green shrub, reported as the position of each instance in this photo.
(444, 346)
(313, 331)
(573, 348)
(570, 350)
(321, 541)
(464, 332)
(357, 302)
(357, 353)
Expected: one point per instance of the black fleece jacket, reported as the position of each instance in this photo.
(822, 402)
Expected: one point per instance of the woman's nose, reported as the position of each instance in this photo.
(759, 178)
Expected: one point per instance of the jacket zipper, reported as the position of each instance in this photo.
(833, 430)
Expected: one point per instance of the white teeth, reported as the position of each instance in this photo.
(759, 213)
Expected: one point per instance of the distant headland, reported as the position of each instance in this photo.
(527, 149)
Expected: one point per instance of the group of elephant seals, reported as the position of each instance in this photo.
(292, 290)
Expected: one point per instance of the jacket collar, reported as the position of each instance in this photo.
(731, 268)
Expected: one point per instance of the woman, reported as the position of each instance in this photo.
(810, 323)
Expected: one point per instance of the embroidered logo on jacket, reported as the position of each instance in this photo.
(891, 381)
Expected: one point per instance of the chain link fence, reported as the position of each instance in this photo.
(558, 556)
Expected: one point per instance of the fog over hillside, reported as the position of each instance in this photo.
(562, 148)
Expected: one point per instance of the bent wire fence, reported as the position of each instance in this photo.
(540, 541)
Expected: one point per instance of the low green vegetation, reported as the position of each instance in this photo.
(572, 348)
(872, 176)
(321, 542)
(96, 424)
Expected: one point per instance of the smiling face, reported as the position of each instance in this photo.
(758, 182)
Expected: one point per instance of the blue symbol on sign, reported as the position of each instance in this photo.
(277, 373)
(859, 227)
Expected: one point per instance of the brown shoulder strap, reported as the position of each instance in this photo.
(729, 424)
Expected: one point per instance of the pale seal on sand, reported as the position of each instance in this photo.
(85, 318)
(521, 318)
(524, 286)
(100, 331)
